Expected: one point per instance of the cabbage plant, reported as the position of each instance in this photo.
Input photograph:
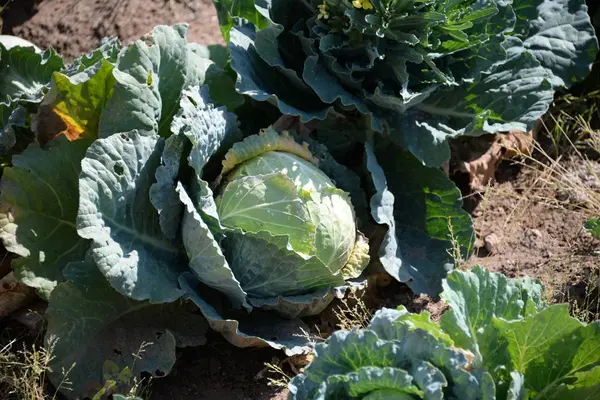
(498, 340)
(144, 210)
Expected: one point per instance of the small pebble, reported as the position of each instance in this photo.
(536, 233)
(492, 241)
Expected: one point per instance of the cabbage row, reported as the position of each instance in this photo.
(158, 190)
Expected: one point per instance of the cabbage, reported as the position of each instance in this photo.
(282, 193)
(498, 340)
(422, 71)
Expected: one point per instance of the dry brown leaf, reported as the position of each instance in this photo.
(49, 123)
(483, 162)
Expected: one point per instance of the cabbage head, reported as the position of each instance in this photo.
(273, 185)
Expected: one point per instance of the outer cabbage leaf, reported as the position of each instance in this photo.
(73, 105)
(116, 213)
(215, 52)
(559, 35)
(219, 76)
(15, 130)
(342, 136)
(556, 354)
(149, 78)
(222, 88)
(89, 324)
(208, 128)
(257, 329)
(212, 70)
(476, 297)
(205, 256)
(162, 193)
(38, 212)
(586, 386)
(200, 129)
(516, 390)
(269, 80)
(391, 324)
(23, 72)
(70, 110)
(107, 51)
(23, 76)
(236, 12)
(422, 209)
(513, 95)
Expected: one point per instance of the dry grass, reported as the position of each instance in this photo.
(584, 306)
(278, 376)
(567, 123)
(352, 314)
(556, 180)
(23, 372)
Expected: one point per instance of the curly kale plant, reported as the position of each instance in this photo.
(498, 341)
(423, 71)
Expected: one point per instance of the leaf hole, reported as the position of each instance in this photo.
(118, 169)
(159, 373)
(192, 101)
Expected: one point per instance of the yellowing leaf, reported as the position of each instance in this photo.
(73, 105)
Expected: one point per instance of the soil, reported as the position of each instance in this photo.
(219, 371)
(73, 27)
(530, 227)
(527, 226)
